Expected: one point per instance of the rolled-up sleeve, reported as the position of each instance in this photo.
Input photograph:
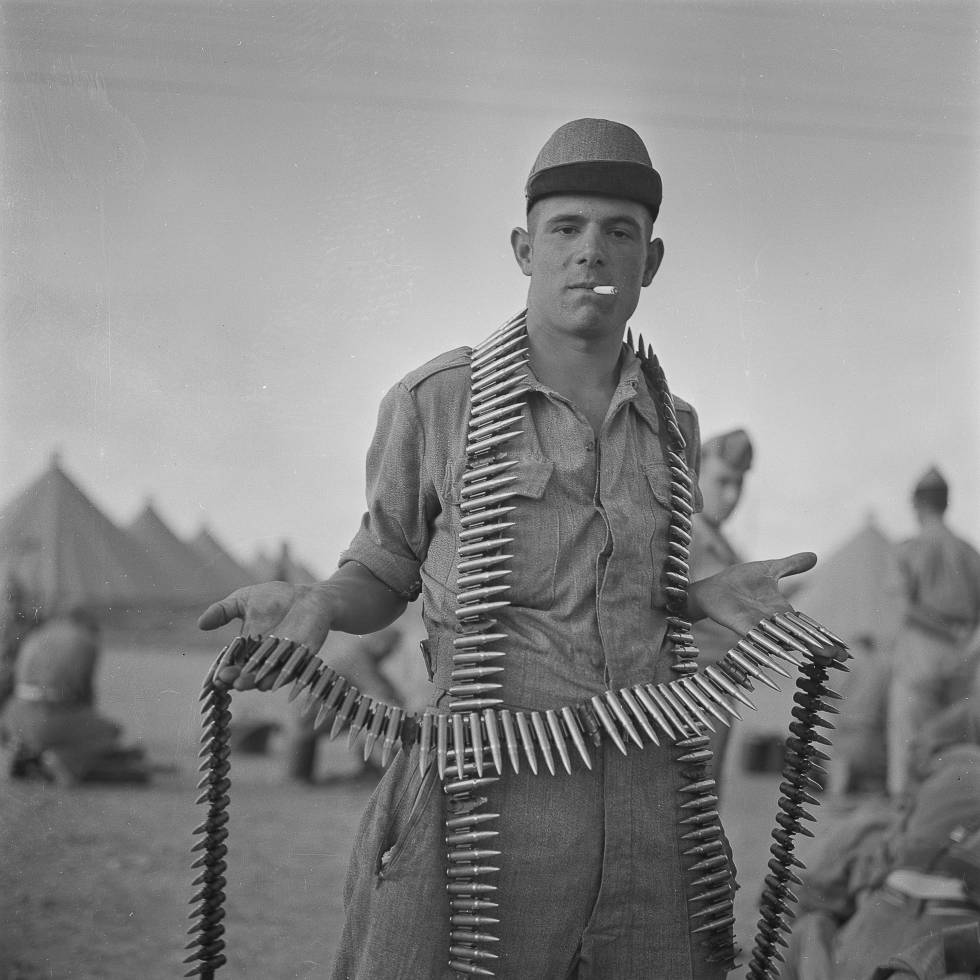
(393, 538)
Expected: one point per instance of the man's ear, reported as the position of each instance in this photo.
(655, 255)
(520, 242)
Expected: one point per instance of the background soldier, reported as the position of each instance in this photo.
(52, 718)
(941, 583)
(725, 459)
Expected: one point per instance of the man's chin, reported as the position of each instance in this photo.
(588, 318)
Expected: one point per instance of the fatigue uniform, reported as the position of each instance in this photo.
(591, 882)
(711, 553)
(952, 955)
(941, 574)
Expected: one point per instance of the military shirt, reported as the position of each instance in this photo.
(592, 878)
(587, 604)
(941, 573)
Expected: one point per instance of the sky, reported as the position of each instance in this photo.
(228, 228)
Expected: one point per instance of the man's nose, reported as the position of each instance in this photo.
(591, 249)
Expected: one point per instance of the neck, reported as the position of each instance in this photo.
(929, 518)
(571, 364)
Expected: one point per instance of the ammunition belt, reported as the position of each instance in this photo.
(496, 406)
(467, 744)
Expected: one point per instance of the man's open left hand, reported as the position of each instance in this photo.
(740, 596)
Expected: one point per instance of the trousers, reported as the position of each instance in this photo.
(590, 884)
(927, 677)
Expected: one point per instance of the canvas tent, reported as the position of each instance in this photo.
(186, 577)
(855, 590)
(281, 568)
(223, 570)
(63, 550)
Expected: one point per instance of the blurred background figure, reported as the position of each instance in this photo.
(859, 763)
(51, 723)
(954, 954)
(725, 459)
(897, 879)
(940, 579)
(361, 661)
(854, 587)
(16, 618)
(960, 722)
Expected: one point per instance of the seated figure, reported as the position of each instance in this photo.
(893, 875)
(51, 723)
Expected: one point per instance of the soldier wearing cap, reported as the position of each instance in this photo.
(940, 580)
(725, 459)
(591, 880)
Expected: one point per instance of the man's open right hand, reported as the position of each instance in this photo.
(294, 612)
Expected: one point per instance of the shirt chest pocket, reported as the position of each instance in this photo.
(657, 490)
(535, 534)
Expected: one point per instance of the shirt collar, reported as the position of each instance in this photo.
(631, 387)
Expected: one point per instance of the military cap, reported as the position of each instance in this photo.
(595, 156)
(932, 491)
(932, 480)
(734, 447)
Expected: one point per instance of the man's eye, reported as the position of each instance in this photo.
(566, 230)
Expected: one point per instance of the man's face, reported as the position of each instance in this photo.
(575, 242)
(721, 487)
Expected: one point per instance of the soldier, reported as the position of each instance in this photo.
(52, 717)
(893, 874)
(592, 878)
(941, 584)
(725, 459)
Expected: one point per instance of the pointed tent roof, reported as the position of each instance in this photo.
(63, 549)
(263, 566)
(855, 590)
(188, 578)
(281, 568)
(225, 571)
(304, 574)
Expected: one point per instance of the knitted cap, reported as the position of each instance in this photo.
(595, 156)
(734, 447)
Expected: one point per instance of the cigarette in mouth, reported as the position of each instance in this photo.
(605, 290)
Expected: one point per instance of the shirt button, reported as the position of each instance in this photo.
(590, 446)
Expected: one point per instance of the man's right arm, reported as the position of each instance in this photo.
(380, 572)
